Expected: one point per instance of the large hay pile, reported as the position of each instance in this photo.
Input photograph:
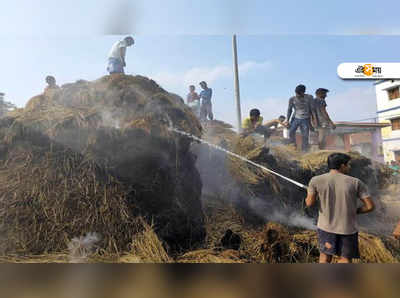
(50, 194)
(92, 156)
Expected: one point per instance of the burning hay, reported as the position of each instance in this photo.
(256, 183)
(99, 157)
(278, 243)
(261, 197)
(50, 194)
(92, 157)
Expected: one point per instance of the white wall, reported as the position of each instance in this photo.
(382, 97)
(383, 103)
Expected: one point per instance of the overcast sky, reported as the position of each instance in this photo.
(281, 44)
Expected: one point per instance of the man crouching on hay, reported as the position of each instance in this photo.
(116, 57)
(338, 195)
(254, 124)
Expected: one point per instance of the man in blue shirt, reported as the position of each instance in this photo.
(206, 106)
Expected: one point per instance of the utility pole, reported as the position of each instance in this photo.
(236, 80)
(2, 104)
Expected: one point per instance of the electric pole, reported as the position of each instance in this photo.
(236, 80)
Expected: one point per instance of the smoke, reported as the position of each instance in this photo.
(387, 204)
(235, 20)
(218, 182)
(123, 18)
(386, 215)
(273, 212)
(82, 247)
(293, 219)
(110, 120)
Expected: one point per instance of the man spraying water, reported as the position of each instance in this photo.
(338, 195)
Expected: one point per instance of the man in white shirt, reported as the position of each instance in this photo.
(116, 57)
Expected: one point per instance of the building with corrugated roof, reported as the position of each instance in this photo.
(362, 137)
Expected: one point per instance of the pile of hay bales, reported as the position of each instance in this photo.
(92, 157)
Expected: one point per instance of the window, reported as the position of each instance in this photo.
(397, 156)
(394, 93)
(395, 124)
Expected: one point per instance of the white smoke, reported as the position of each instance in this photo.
(80, 248)
(275, 213)
(386, 215)
(122, 18)
(265, 210)
(293, 219)
(109, 120)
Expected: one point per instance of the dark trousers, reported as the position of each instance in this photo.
(305, 132)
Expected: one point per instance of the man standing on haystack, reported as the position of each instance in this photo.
(338, 195)
(193, 100)
(116, 57)
(206, 106)
(302, 106)
(321, 120)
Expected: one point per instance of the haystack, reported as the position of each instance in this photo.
(50, 194)
(119, 124)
